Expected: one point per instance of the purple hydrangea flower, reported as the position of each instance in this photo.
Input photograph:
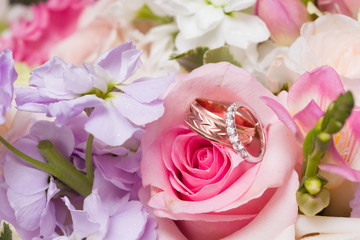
(8, 76)
(118, 108)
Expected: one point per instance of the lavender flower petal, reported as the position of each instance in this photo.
(109, 126)
(24, 178)
(92, 221)
(27, 209)
(120, 178)
(65, 110)
(28, 99)
(47, 220)
(112, 197)
(60, 80)
(146, 90)
(8, 76)
(120, 62)
(137, 112)
(122, 225)
(61, 137)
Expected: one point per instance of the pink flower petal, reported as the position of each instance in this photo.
(348, 141)
(263, 227)
(342, 170)
(323, 85)
(308, 117)
(285, 117)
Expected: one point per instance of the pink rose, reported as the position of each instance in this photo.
(31, 40)
(201, 190)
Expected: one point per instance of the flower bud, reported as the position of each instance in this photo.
(313, 185)
(309, 204)
(347, 7)
(338, 113)
(283, 18)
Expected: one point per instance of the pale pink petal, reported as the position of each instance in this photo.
(269, 175)
(167, 230)
(323, 85)
(263, 227)
(348, 141)
(308, 117)
(285, 117)
(342, 170)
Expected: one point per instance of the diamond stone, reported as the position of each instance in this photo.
(237, 146)
(234, 138)
(231, 130)
(230, 114)
(243, 153)
(230, 122)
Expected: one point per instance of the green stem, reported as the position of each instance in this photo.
(312, 164)
(88, 158)
(40, 165)
(64, 170)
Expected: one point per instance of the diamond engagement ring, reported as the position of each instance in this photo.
(207, 118)
(254, 151)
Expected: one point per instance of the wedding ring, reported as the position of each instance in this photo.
(254, 151)
(207, 118)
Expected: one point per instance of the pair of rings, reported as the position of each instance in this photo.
(233, 126)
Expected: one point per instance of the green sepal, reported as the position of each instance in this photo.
(199, 56)
(6, 233)
(221, 54)
(311, 205)
(144, 14)
(191, 59)
(306, 2)
(3, 26)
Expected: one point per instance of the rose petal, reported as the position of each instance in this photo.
(262, 226)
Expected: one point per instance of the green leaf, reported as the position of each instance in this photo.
(3, 26)
(221, 54)
(6, 233)
(191, 59)
(306, 1)
(145, 14)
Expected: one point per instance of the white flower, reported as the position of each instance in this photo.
(327, 228)
(214, 23)
(331, 40)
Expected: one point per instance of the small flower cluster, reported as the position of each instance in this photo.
(88, 156)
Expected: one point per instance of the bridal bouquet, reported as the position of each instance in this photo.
(180, 119)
